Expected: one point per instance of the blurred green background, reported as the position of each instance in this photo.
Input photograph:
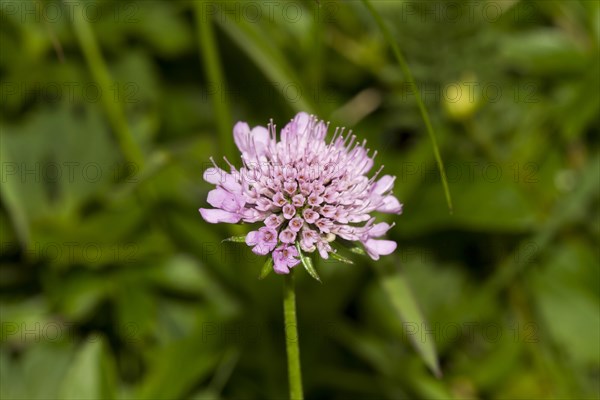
(112, 286)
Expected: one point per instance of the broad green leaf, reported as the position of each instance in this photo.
(91, 375)
(156, 162)
(80, 294)
(558, 288)
(366, 345)
(162, 26)
(12, 385)
(399, 294)
(571, 208)
(11, 198)
(186, 274)
(136, 311)
(499, 205)
(38, 372)
(543, 51)
(307, 263)
(178, 367)
(45, 365)
(49, 167)
(267, 268)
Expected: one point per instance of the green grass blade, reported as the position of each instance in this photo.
(424, 114)
(97, 65)
(214, 76)
(401, 298)
(268, 58)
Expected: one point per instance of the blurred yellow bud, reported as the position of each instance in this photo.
(461, 99)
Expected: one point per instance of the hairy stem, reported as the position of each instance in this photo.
(291, 338)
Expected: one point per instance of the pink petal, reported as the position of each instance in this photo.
(260, 136)
(384, 184)
(261, 249)
(214, 175)
(240, 136)
(367, 166)
(376, 248)
(217, 196)
(358, 218)
(292, 262)
(281, 268)
(296, 127)
(215, 216)
(390, 205)
(302, 120)
(231, 185)
(251, 215)
(379, 229)
(252, 238)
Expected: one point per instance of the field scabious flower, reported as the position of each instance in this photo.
(304, 190)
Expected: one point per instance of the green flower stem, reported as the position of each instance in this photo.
(291, 337)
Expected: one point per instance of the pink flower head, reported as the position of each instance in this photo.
(304, 189)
